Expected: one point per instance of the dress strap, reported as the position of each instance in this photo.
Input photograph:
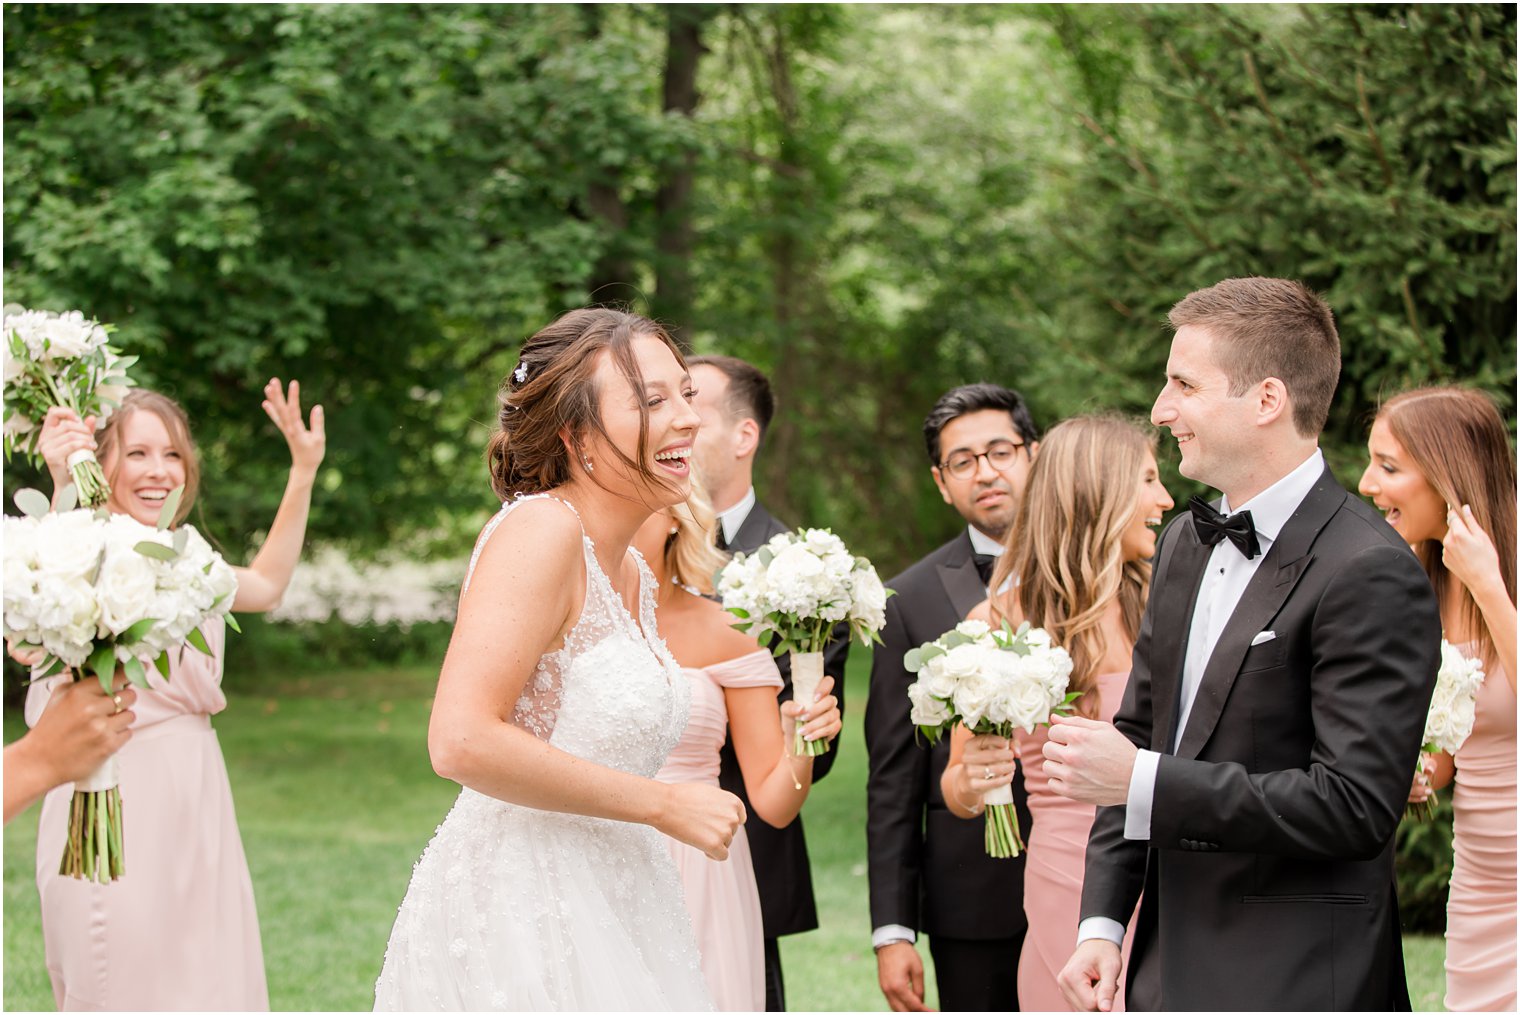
(499, 517)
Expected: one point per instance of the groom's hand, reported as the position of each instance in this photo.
(1091, 977)
(1088, 761)
(900, 971)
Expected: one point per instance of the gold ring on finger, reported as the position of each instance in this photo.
(116, 699)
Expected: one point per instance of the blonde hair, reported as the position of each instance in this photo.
(108, 441)
(1064, 546)
(1458, 442)
(692, 556)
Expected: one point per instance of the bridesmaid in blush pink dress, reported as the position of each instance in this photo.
(1442, 470)
(734, 685)
(1053, 868)
(1077, 563)
(179, 930)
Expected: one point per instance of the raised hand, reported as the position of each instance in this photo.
(307, 446)
(64, 433)
(822, 717)
(1467, 551)
(702, 816)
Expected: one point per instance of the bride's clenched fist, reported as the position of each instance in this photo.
(702, 816)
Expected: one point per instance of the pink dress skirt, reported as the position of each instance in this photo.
(178, 931)
(1054, 866)
(721, 895)
(1480, 912)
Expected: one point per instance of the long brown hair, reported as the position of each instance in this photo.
(553, 389)
(1064, 546)
(108, 441)
(1458, 442)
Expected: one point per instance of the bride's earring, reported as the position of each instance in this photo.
(586, 461)
(674, 529)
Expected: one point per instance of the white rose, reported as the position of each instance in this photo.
(68, 545)
(125, 586)
(935, 679)
(1027, 705)
(870, 605)
(973, 629)
(973, 698)
(966, 661)
(927, 709)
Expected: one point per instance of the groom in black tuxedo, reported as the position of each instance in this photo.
(929, 870)
(1252, 780)
(736, 405)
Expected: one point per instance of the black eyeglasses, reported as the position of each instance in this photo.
(999, 454)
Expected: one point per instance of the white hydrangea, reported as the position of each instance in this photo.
(799, 585)
(387, 590)
(51, 337)
(75, 582)
(990, 681)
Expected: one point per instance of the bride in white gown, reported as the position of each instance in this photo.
(549, 886)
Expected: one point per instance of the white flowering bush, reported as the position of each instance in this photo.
(990, 681)
(59, 359)
(398, 591)
(799, 586)
(95, 591)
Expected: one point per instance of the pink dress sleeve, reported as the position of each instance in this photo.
(754, 669)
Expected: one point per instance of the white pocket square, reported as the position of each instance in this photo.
(1263, 638)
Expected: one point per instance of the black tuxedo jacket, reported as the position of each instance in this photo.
(780, 854)
(929, 870)
(1268, 879)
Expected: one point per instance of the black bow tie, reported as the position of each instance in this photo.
(1212, 526)
(984, 564)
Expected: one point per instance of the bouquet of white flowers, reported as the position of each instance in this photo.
(1453, 706)
(95, 592)
(60, 359)
(798, 587)
(991, 682)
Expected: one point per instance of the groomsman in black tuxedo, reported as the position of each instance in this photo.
(1252, 780)
(736, 405)
(929, 871)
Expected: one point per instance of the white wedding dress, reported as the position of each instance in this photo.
(518, 909)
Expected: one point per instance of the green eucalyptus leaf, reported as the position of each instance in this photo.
(171, 505)
(232, 622)
(68, 498)
(135, 672)
(158, 551)
(137, 632)
(33, 503)
(162, 665)
(181, 539)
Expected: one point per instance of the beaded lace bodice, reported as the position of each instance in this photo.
(612, 693)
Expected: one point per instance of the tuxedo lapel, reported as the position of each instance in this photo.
(1264, 596)
(754, 532)
(959, 577)
(1174, 601)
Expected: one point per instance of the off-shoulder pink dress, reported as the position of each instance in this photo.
(721, 896)
(1053, 869)
(1480, 912)
(178, 931)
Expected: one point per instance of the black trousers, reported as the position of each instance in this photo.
(977, 975)
(775, 990)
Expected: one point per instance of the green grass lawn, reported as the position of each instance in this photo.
(336, 799)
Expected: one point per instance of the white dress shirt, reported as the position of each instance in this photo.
(734, 518)
(1225, 578)
(888, 933)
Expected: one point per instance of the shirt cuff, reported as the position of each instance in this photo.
(891, 934)
(1142, 790)
(1101, 928)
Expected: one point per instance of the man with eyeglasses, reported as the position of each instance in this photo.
(929, 872)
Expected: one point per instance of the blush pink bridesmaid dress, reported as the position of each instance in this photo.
(721, 896)
(178, 931)
(1053, 869)
(1480, 913)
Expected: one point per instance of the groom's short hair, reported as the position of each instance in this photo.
(749, 391)
(978, 397)
(1270, 327)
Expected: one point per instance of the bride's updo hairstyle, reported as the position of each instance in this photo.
(554, 389)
